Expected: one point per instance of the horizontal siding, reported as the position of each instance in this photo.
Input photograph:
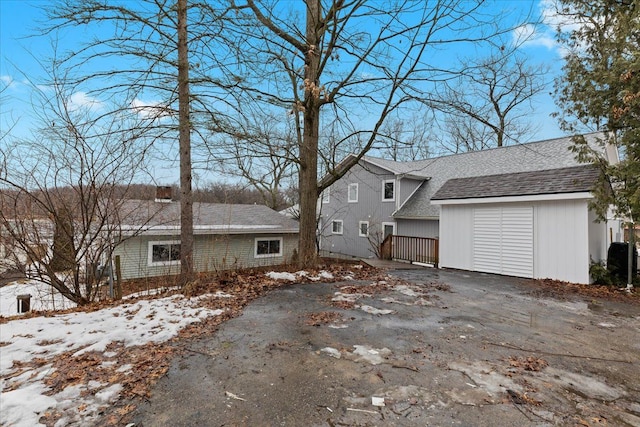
(517, 241)
(455, 244)
(486, 240)
(211, 253)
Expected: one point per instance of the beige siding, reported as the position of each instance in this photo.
(211, 253)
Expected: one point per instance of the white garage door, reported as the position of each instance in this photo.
(503, 240)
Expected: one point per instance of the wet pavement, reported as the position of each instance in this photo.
(444, 348)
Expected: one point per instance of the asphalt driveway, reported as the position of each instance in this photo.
(435, 348)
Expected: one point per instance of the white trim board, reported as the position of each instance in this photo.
(513, 199)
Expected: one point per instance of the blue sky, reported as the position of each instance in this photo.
(20, 53)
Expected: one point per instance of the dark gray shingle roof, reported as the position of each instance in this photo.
(555, 181)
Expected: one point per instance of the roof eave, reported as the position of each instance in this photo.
(164, 231)
(515, 198)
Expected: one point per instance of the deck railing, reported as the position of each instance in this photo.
(413, 249)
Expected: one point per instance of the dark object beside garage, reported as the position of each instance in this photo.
(618, 260)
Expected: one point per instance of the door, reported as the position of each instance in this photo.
(503, 240)
(388, 228)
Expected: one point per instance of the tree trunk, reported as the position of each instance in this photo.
(186, 196)
(308, 174)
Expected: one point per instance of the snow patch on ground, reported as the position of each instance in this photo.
(484, 376)
(43, 297)
(298, 275)
(340, 326)
(419, 301)
(406, 290)
(332, 352)
(607, 325)
(588, 386)
(24, 395)
(373, 310)
(374, 356)
(339, 296)
(291, 277)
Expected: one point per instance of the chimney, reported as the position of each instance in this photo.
(163, 194)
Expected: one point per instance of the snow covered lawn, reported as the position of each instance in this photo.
(43, 297)
(78, 367)
(30, 348)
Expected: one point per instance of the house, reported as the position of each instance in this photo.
(378, 197)
(225, 236)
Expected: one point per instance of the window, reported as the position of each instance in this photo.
(336, 226)
(388, 190)
(363, 229)
(269, 247)
(353, 193)
(325, 196)
(164, 253)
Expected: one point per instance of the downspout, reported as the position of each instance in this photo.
(631, 247)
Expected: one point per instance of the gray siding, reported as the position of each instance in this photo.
(369, 207)
(211, 253)
(417, 228)
(407, 188)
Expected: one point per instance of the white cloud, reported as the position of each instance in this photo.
(150, 110)
(544, 34)
(80, 100)
(554, 20)
(529, 35)
(8, 82)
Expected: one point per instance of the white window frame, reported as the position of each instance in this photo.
(384, 183)
(392, 224)
(337, 221)
(269, 239)
(349, 199)
(326, 195)
(151, 262)
(360, 233)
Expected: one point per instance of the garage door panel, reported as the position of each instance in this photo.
(503, 240)
(486, 240)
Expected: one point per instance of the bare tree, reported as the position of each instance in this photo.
(342, 66)
(406, 139)
(184, 131)
(261, 153)
(162, 70)
(488, 104)
(60, 212)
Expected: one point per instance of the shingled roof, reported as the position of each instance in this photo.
(154, 217)
(576, 179)
(535, 156)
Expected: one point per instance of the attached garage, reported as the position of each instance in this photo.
(531, 224)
